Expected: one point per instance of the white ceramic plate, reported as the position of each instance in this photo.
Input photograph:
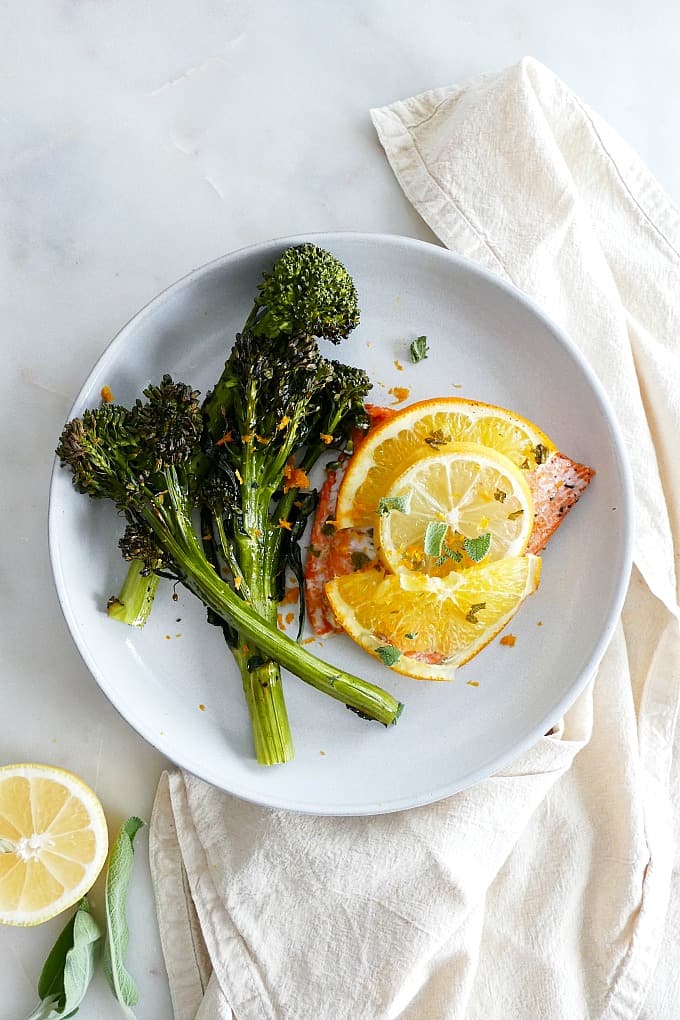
(487, 342)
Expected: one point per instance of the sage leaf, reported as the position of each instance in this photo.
(388, 654)
(477, 548)
(117, 932)
(400, 503)
(69, 967)
(435, 533)
(418, 349)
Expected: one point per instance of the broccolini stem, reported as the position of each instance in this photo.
(200, 577)
(133, 604)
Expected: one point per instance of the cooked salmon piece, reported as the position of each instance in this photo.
(556, 486)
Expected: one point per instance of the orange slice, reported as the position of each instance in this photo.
(424, 627)
(423, 429)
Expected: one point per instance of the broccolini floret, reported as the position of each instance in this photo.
(239, 463)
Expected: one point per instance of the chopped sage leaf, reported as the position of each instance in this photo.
(328, 528)
(525, 465)
(435, 533)
(500, 495)
(388, 654)
(411, 635)
(515, 514)
(540, 453)
(477, 548)
(400, 503)
(473, 610)
(437, 438)
(419, 349)
(360, 560)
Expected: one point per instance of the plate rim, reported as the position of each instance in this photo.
(496, 762)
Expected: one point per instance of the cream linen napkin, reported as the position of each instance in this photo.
(540, 893)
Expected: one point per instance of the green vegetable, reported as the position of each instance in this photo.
(278, 405)
(477, 548)
(540, 453)
(435, 533)
(68, 969)
(401, 504)
(117, 932)
(471, 615)
(419, 349)
(388, 654)
(134, 603)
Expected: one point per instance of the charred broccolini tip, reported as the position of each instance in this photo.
(307, 292)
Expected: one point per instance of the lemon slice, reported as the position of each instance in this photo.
(424, 627)
(53, 842)
(425, 428)
(469, 492)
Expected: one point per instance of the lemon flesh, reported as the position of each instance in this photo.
(473, 491)
(53, 842)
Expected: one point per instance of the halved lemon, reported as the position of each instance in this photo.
(424, 627)
(449, 502)
(53, 842)
(427, 427)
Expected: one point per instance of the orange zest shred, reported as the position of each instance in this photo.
(226, 438)
(106, 394)
(239, 476)
(509, 640)
(262, 440)
(285, 524)
(284, 421)
(398, 365)
(400, 393)
(248, 438)
(202, 708)
(294, 477)
(325, 438)
(238, 581)
(473, 683)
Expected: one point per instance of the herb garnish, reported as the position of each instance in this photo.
(360, 559)
(400, 503)
(540, 453)
(419, 349)
(388, 654)
(437, 438)
(435, 533)
(473, 610)
(477, 548)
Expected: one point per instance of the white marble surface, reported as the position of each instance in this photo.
(141, 140)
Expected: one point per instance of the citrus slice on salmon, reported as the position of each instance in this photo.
(450, 510)
(427, 427)
(425, 627)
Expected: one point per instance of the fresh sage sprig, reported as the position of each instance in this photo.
(117, 932)
(68, 969)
